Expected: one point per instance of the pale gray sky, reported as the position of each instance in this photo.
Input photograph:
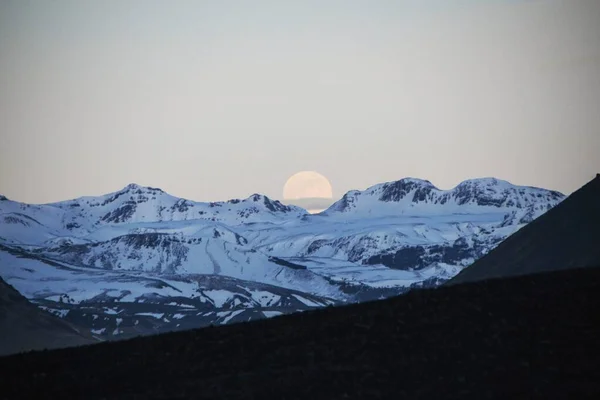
(212, 100)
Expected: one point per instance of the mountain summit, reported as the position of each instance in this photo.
(416, 196)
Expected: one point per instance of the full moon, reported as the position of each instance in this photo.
(308, 189)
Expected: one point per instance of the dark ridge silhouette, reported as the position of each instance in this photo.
(567, 236)
(530, 336)
(23, 326)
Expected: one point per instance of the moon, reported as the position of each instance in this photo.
(307, 184)
(308, 189)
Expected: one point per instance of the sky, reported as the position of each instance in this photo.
(212, 100)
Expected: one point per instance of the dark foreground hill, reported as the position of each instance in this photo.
(567, 236)
(23, 326)
(531, 336)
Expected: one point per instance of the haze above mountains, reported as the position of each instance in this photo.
(211, 102)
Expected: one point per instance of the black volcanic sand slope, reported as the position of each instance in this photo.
(524, 337)
(567, 236)
(23, 326)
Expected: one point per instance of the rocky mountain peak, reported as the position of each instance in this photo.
(269, 204)
(418, 196)
(135, 188)
(398, 190)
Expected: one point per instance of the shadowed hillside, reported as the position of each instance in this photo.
(567, 236)
(24, 326)
(524, 337)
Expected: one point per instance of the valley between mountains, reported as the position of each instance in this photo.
(140, 261)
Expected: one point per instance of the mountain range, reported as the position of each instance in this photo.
(140, 261)
(517, 323)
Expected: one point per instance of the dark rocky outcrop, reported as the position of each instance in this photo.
(24, 327)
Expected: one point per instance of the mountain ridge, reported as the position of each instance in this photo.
(422, 195)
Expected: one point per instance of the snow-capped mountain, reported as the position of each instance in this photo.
(410, 225)
(140, 260)
(132, 204)
(135, 203)
(411, 196)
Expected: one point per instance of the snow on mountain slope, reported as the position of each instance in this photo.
(135, 203)
(29, 224)
(396, 244)
(408, 226)
(123, 303)
(377, 275)
(210, 250)
(21, 228)
(419, 197)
